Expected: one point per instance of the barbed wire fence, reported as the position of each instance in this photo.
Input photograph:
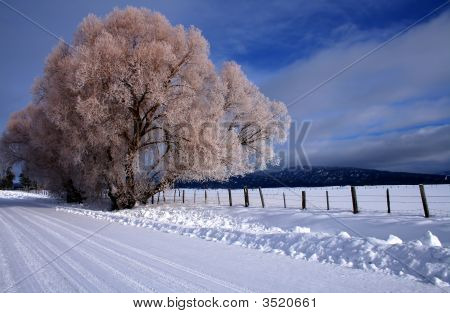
(390, 200)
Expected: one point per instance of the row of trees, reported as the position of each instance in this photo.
(7, 180)
(135, 104)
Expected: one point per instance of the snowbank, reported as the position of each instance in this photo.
(425, 259)
(15, 194)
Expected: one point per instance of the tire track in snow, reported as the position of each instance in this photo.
(122, 277)
(30, 259)
(5, 268)
(73, 266)
(167, 281)
(169, 278)
(182, 268)
(42, 246)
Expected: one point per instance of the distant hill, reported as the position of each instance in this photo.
(319, 177)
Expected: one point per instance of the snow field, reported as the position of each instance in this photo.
(405, 199)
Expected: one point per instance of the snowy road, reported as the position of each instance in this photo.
(44, 250)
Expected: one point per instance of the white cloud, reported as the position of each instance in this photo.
(405, 85)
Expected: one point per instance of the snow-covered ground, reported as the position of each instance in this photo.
(405, 200)
(15, 194)
(310, 250)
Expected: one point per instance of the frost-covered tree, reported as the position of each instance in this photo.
(32, 140)
(135, 104)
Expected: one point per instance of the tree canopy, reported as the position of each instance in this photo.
(135, 104)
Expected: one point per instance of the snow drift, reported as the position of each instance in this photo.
(15, 194)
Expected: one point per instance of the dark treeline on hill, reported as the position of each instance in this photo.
(320, 177)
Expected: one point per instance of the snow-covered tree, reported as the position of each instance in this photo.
(135, 104)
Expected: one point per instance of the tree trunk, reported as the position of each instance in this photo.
(113, 198)
(73, 195)
(125, 197)
(129, 171)
(147, 194)
(121, 200)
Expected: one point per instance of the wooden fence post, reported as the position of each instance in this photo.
(354, 200)
(229, 197)
(248, 198)
(262, 198)
(153, 199)
(246, 202)
(183, 195)
(388, 199)
(206, 196)
(284, 200)
(424, 201)
(218, 198)
(328, 201)
(303, 199)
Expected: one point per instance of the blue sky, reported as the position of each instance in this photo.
(390, 111)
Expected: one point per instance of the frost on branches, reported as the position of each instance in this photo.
(135, 104)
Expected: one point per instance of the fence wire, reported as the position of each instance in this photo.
(404, 200)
